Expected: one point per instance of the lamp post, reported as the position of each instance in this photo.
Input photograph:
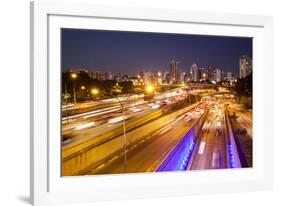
(124, 132)
(95, 92)
(149, 91)
(74, 77)
(118, 89)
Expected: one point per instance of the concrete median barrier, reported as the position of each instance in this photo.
(180, 157)
(233, 159)
(84, 157)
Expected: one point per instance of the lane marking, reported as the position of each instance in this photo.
(214, 157)
(153, 167)
(112, 159)
(165, 130)
(201, 147)
(101, 166)
(134, 146)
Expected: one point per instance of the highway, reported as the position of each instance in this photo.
(211, 153)
(81, 127)
(148, 152)
(244, 117)
(147, 155)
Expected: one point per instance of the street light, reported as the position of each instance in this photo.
(94, 91)
(83, 87)
(124, 133)
(149, 89)
(117, 89)
(74, 77)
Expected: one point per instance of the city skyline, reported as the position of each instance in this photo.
(136, 51)
(148, 102)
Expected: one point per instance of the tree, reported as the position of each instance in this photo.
(66, 96)
(117, 89)
(244, 86)
(128, 87)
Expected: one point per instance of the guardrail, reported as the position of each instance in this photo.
(179, 158)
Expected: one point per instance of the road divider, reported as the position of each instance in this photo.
(233, 159)
(82, 158)
(180, 156)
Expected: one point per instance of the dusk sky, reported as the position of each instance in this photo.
(132, 52)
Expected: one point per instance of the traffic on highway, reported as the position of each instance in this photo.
(137, 102)
(110, 119)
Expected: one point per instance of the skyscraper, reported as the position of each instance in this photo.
(194, 72)
(204, 74)
(159, 77)
(245, 64)
(228, 76)
(217, 75)
(211, 69)
(174, 71)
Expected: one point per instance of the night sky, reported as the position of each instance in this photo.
(132, 52)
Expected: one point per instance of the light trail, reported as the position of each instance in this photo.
(201, 147)
(102, 111)
(86, 125)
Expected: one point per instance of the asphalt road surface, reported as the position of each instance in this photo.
(211, 153)
(146, 156)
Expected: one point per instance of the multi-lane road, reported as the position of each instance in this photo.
(146, 156)
(211, 153)
(105, 120)
(90, 125)
(81, 127)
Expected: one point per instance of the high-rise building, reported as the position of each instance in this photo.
(94, 74)
(217, 75)
(204, 74)
(181, 77)
(108, 76)
(159, 77)
(245, 64)
(146, 77)
(228, 76)
(167, 77)
(223, 75)
(174, 71)
(194, 72)
(211, 69)
(187, 77)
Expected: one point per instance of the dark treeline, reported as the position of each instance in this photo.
(244, 86)
(244, 91)
(83, 85)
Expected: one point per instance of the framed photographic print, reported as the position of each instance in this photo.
(132, 103)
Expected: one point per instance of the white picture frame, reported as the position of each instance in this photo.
(46, 184)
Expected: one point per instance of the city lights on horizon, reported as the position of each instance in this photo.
(175, 74)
